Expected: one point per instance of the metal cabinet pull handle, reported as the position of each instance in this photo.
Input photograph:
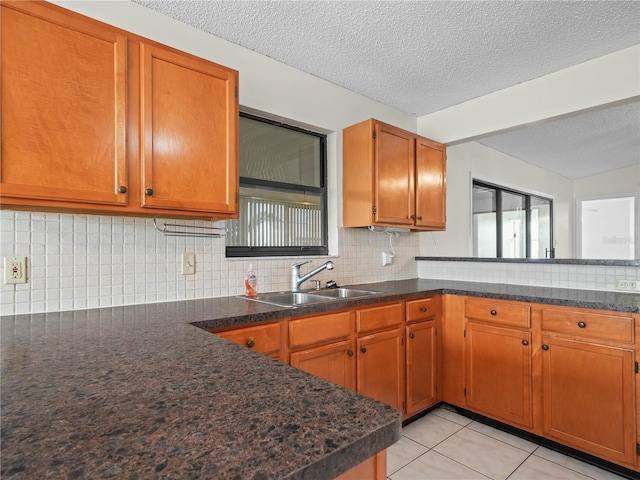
(148, 192)
(411, 335)
(494, 312)
(545, 347)
(423, 309)
(350, 353)
(122, 189)
(250, 343)
(420, 217)
(363, 350)
(525, 342)
(582, 325)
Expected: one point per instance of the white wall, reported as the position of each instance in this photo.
(623, 181)
(472, 159)
(81, 261)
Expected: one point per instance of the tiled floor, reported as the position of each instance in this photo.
(444, 445)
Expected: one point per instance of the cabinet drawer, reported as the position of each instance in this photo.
(321, 329)
(378, 318)
(496, 311)
(601, 326)
(423, 309)
(261, 338)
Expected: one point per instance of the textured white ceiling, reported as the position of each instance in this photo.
(580, 146)
(423, 56)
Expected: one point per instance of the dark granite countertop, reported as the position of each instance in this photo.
(140, 392)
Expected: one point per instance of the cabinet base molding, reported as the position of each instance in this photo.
(558, 447)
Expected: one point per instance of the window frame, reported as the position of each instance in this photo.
(321, 191)
(499, 189)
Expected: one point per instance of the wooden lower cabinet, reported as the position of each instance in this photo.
(588, 398)
(422, 354)
(374, 468)
(380, 367)
(335, 362)
(499, 373)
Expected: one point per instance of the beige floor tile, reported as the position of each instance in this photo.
(483, 454)
(503, 436)
(430, 430)
(432, 465)
(535, 468)
(451, 416)
(576, 465)
(403, 452)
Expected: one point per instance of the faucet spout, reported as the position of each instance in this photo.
(297, 280)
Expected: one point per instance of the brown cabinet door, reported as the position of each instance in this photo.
(189, 122)
(394, 183)
(380, 367)
(63, 107)
(588, 397)
(421, 366)
(430, 185)
(499, 373)
(335, 362)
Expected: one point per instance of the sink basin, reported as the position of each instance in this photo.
(295, 299)
(289, 299)
(344, 293)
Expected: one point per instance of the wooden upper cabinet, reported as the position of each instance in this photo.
(63, 107)
(430, 177)
(98, 119)
(189, 132)
(392, 177)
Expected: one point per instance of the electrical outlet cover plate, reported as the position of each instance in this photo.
(387, 259)
(15, 270)
(628, 285)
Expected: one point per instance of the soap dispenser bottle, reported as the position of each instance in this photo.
(251, 283)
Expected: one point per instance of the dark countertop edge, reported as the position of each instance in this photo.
(377, 441)
(540, 261)
(595, 305)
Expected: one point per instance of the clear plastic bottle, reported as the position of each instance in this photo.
(251, 283)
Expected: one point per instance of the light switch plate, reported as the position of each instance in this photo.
(15, 270)
(188, 263)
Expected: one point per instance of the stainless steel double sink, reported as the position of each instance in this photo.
(296, 299)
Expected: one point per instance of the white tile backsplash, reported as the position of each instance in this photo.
(583, 277)
(86, 261)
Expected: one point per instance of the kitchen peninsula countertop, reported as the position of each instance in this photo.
(141, 392)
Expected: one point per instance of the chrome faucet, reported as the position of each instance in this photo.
(296, 279)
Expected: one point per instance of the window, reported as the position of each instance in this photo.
(607, 228)
(511, 224)
(283, 204)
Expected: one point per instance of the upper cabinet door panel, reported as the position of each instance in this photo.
(63, 107)
(189, 124)
(430, 184)
(394, 164)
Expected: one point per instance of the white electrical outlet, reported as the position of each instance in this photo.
(188, 263)
(15, 270)
(628, 285)
(387, 259)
